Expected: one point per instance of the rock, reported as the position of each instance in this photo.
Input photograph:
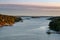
(6, 20)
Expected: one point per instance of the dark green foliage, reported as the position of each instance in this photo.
(55, 24)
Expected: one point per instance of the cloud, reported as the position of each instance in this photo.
(43, 4)
(53, 4)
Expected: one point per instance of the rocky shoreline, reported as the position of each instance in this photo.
(6, 20)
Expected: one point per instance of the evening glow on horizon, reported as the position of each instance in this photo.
(33, 2)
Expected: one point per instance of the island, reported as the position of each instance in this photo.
(35, 17)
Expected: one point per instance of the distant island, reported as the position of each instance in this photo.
(6, 20)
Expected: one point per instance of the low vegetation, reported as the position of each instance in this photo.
(6, 20)
(54, 24)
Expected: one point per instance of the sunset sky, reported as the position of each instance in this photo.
(31, 10)
(32, 2)
(18, 1)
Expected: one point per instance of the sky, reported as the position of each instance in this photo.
(32, 2)
(55, 3)
(18, 1)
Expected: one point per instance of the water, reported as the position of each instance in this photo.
(32, 29)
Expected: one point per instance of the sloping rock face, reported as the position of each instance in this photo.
(55, 24)
(6, 20)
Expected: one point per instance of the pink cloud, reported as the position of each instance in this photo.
(53, 4)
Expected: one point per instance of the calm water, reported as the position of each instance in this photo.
(33, 29)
